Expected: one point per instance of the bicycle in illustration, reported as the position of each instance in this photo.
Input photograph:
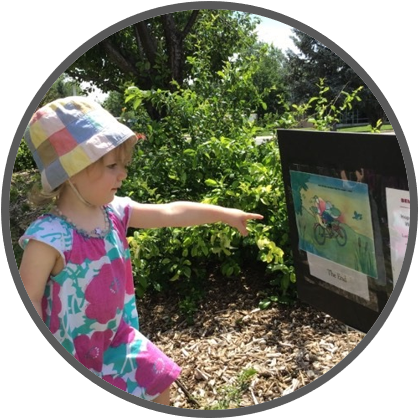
(329, 231)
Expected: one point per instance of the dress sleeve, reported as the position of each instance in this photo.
(122, 207)
(48, 230)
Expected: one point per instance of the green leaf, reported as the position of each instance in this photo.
(264, 304)
(137, 102)
(133, 89)
(190, 152)
(230, 270)
(187, 241)
(175, 277)
(187, 271)
(211, 183)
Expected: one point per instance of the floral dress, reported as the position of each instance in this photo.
(90, 305)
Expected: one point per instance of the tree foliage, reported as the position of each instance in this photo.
(152, 53)
(269, 78)
(64, 86)
(315, 61)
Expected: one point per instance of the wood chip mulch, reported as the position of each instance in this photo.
(288, 347)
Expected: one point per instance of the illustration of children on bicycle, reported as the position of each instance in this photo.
(328, 223)
(325, 212)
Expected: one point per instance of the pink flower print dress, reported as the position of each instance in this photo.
(90, 305)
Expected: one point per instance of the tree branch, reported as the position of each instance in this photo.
(174, 43)
(145, 42)
(189, 24)
(120, 61)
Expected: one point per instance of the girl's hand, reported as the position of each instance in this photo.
(238, 219)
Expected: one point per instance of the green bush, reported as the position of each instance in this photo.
(204, 150)
(24, 160)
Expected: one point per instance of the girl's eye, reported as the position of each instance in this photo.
(112, 166)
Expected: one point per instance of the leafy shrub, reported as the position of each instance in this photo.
(204, 150)
(24, 160)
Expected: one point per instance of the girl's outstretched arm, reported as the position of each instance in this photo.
(39, 261)
(180, 214)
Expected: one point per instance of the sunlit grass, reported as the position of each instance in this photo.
(365, 128)
(361, 128)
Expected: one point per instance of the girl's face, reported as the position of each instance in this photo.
(99, 182)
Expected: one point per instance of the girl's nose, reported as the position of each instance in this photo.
(122, 174)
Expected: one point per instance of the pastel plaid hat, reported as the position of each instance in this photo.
(67, 135)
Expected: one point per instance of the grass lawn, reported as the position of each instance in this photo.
(363, 128)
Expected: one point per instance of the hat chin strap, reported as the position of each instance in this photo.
(80, 197)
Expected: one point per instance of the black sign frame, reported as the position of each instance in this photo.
(332, 155)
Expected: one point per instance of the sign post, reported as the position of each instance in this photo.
(349, 209)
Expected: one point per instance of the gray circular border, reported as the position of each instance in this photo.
(226, 6)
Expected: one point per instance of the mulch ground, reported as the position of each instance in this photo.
(287, 347)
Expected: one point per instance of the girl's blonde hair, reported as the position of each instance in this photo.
(39, 197)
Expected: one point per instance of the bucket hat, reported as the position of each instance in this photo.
(68, 134)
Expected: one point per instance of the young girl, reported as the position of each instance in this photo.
(76, 264)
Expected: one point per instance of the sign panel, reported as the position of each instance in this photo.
(398, 210)
(349, 209)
